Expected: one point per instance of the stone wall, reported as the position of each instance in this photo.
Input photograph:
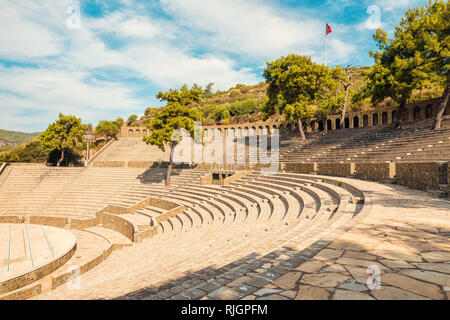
(375, 171)
(301, 167)
(117, 223)
(114, 164)
(336, 169)
(422, 176)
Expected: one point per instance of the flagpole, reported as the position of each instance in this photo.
(326, 50)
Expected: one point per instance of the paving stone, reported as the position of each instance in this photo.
(429, 276)
(217, 292)
(396, 264)
(358, 255)
(352, 285)
(360, 262)
(264, 291)
(238, 281)
(439, 267)
(310, 266)
(436, 256)
(334, 268)
(350, 295)
(311, 293)
(328, 254)
(250, 297)
(194, 293)
(244, 290)
(394, 252)
(359, 274)
(257, 281)
(324, 279)
(208, 287)
(392, 293)
(412, 285)
(288, 281)
(273, 297)
(289, 293)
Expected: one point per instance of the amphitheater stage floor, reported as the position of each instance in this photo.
(26, 247)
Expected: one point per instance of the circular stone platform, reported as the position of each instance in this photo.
(26, 247)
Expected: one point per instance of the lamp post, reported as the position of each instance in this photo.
(88, 137)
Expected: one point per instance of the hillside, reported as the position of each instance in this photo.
(9, 139)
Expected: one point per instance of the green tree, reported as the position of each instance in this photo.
(119, 121)
(295, 83)
(132, 119)
(184, 96)
(221, 113)
(108, 129)
(413, 58)
(208, 91)
(167, 121)
(62, 134)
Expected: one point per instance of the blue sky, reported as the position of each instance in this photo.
(103, 59)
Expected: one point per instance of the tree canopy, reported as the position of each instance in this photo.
(295, 84)
(109, 129)
(175, 115)
(62, 134)
(417, 55)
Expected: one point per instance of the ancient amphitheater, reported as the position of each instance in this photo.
(342, 205)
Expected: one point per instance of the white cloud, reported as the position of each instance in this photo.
(249, 27)
(38, 95)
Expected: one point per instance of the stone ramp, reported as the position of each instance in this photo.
(132, 149)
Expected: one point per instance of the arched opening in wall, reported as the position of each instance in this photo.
(296, 127)
(219, 133)
(338, 123)
(313, 125)
(267, 130)
(239, 132)
(252, 131)
(232, 132)
(288, 127)
(355, 122)
(226, 132)
(394, 115)
(212, 133)
(347, 123)
(245, 131)
(416, 113)
(384, 118)
(137, 133)
(365, 120)
(406, 115)
(144, 133)
(205, 132)
(260, 130)
(428, 111)
(321, 125)
(375, 119)
(130, 133)
(329, 125)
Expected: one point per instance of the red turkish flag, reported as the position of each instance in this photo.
(327, 28)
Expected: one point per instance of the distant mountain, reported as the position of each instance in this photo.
(10, 139)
